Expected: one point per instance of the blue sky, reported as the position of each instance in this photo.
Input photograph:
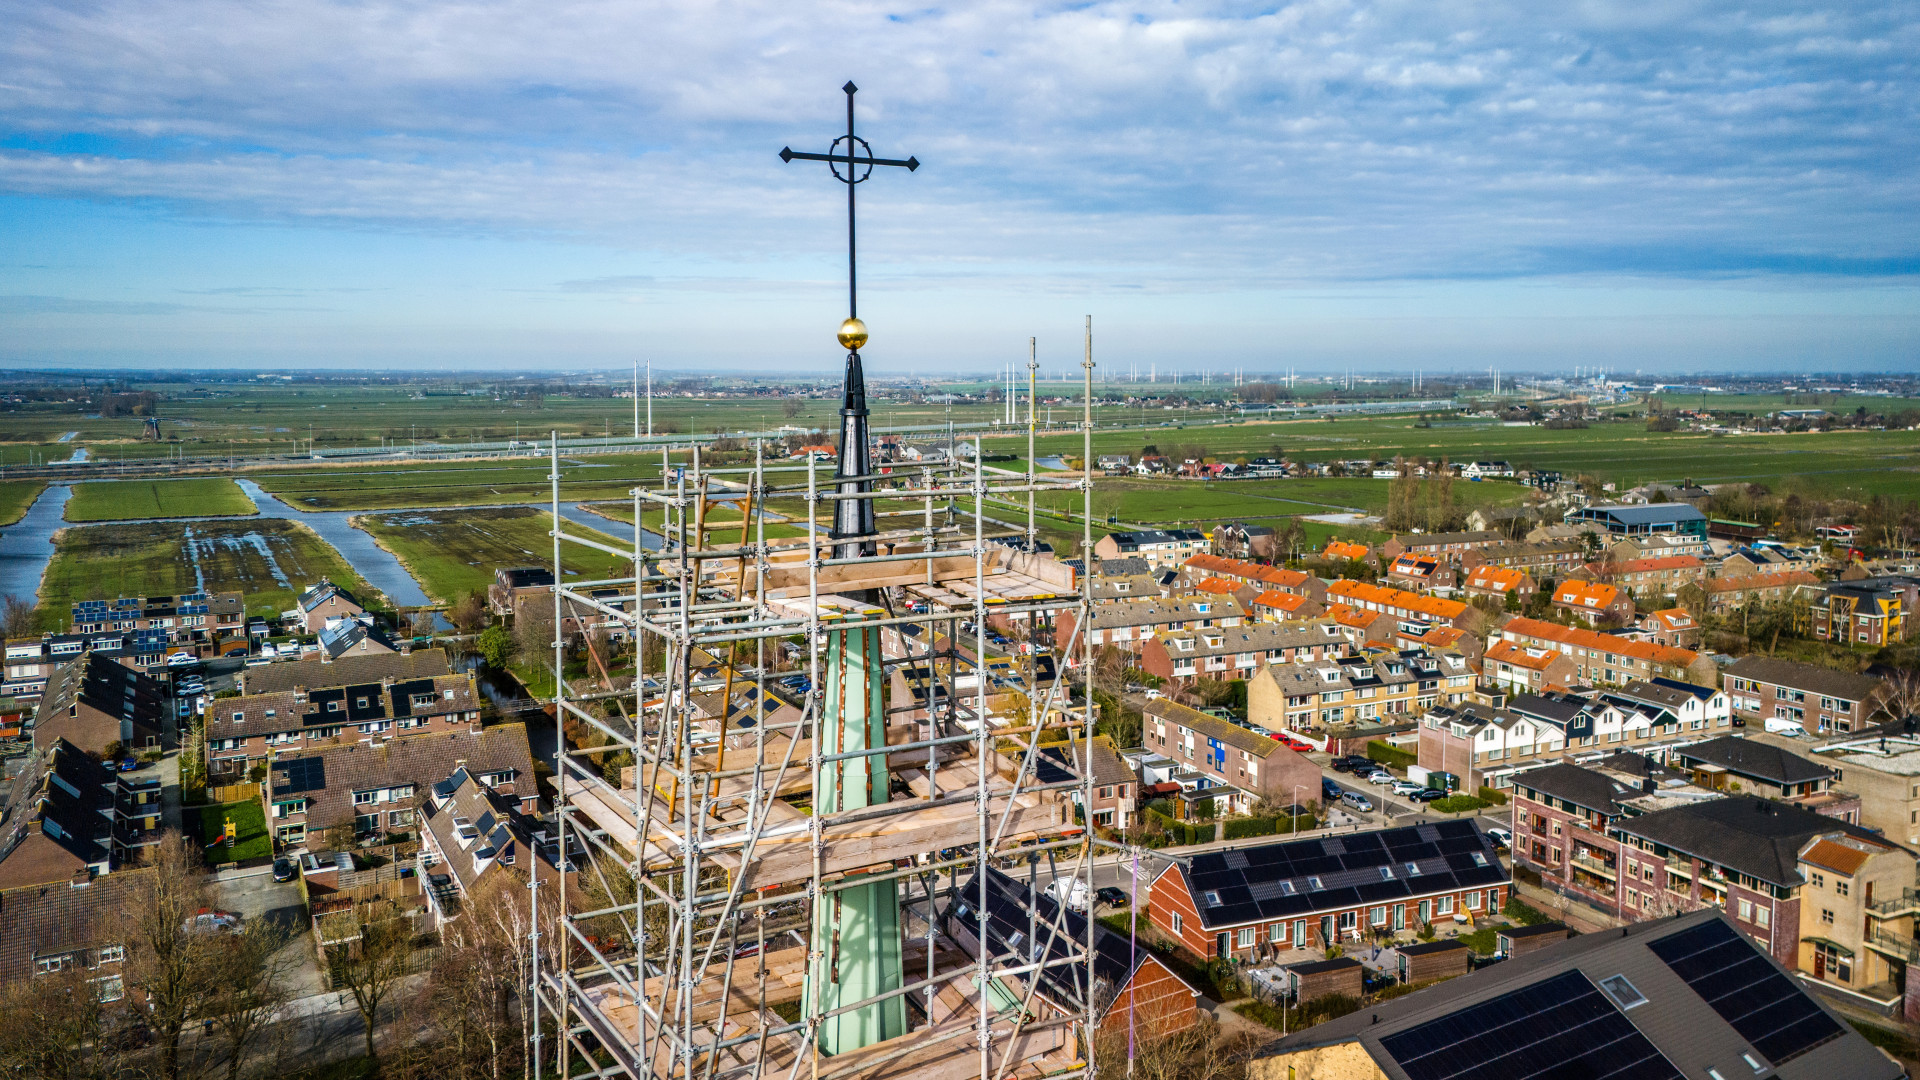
(555, 184)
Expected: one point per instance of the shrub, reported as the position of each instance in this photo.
(1524, 913)
(1457, 804)
(1386, 754)
(1242, 827)
(1491, 797)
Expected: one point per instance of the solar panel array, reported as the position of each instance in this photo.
(1249, 880)
(303, 774)
(1748, 992)
(1561, 1027)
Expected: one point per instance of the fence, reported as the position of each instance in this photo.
(226, 793)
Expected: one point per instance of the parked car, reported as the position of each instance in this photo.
(1154, 695)
(1295, 745)
(1501, 836)
(1070, 891)
(1356, 800)
(1329, 790)
(283, 869)
(211, 921)
(1404, 788)
(1340, 765)
(128, 764)
(1380, 776)
(1426, 795)
(1112, 896)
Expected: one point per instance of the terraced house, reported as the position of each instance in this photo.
(1239, 651)
(1545, 559)
(1606, 659)
(1229, 754)
(246, 729)
(1786, 694)
(1650, 577)
(1593, 601)
(374, 789)
(1309, 698)
(1404, 607)
(1131, 624)
(1262, 578)
(184, 618)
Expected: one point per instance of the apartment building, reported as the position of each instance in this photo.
(1869, 611)
(94, 702)
(1610, 659)
(1228, 754)
(1784, 694)
(1451, 547)
(1593, 601)
(1403, 606)
(1550, 558)
(1310, 699)
(1238, 651)
(1161, 547)
(183, 618)
(67, 818)
(1254, 902)
(1884, 771)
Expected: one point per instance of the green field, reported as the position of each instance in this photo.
(726, 516)
(16, 496)
(452, 553)
(125, 500)
(269, 561)
(250, 827)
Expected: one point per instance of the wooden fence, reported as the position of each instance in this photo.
(226, 793)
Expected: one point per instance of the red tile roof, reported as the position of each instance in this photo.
(1592, 639)
(1398, 599)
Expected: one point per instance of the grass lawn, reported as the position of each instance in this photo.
(16, 496)
(123, 500)
(455, 552)
(250, 821)
(269, 561)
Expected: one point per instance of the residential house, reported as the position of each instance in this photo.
(1520, 668)
(1421, 572)
(1542, 559)
(1338, 550)
(1452, 547)
(374, 788)
(1405, 607)
(1884, 770)
(1260, 577)
(1674, 628)
(78, 925)
(1593, 601)
(1274, 605)
(1161, 547)
(1239, 652)
(1230, 755)
(69, 818)
(515, 585)
(247, 729)
(186, 618)
(1867, 611)
(1723, 595)
(351, 637)
(1771, 559)
(324, 602)
(1253, 902)
(1606, 658)
(1311, 700)
(1115, 798)
(1686, 996)
(319, 673)
(470, 834)
(1131, 624)
(1236, 540)
(1788, 694)
(1135, 586)
(94, 702)
(1734, 763)
(1500, 582)
(1648, 578)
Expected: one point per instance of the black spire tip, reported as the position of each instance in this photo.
(850, 88)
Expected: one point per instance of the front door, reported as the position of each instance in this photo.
(1426, 911)
(1399, 916)
(1299, 933)
(1326, 929)
(1221, 942)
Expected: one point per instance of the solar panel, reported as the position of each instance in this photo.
(1749, 993)
(1558, 1027)
(306, 774)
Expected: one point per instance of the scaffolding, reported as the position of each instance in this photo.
(735, 813)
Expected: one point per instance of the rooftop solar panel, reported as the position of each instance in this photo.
(1558, 1027)
(1749, 993)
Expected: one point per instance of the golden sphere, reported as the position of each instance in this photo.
(853, 334)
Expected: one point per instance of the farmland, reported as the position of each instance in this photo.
(454, 553)
(269, 561)
(125, 500)
(16, 496)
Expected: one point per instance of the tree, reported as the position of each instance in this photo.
(495, 646)
(16, 617)
(483, 965)
(470, 614)
(58, 1021)
(372, 972)
(170, 961)
(249, 976)
(533, 633)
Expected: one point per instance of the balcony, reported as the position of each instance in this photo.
(1593, 864)
(1907, 903)
(1894, 945)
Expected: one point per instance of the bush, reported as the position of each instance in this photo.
(1242, 827)
(1457, 804)
(1387, 754)
(1182, 833)
(1524, 913)
(1491, 797)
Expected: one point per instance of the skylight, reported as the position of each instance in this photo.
(1413, 869)
(1213, 898)
(1386, 873)
(1624, 993)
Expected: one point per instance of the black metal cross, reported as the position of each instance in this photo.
(852, 159)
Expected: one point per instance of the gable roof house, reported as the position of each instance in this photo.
(70, 818)
(1229, 754)
(470, 833)
(1787, 694)
(1610, 659)
(514, 585)
(315, 673)
(324, 602)
(1451, 547)
(246, 729)
(1237, 652)
(374, 788)
(1405, 607)
(94, 701)
(1499, 582)
(1758, 766)
(350, 637)
(61, 925)
(1593, 601)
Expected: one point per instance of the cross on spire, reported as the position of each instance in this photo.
(852, 158)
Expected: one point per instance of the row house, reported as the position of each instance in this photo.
(1131, 624)
(1338, 550)
(31, 662)
(196, 617)
(1252, 904)
(1276, 606)
(68, 818)
(1500, 582)
(472, 834)
(1420, 573)
(1547, 558)
(1593, 601)
(1451, 547)
(1404, 606)
(72, 926)
(1672, 627)
(1115, 787)
(1869, 611)
(1135, 586)
(374, 788)
(95, 702)
(1228, 755)
(1722, 595)
(1519, 668)
(1239, 652)
(1789, 695)
(1772, 559)
(247, 729)
(1262, 578)
(319, 672)
(1649, 577)
(1607, 658)
(1161, 547)
(1826, 898)
(1310, 700)
(324, 602)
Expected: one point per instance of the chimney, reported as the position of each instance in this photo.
(1646, 783)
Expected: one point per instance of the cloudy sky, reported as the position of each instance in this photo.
(1442, 184)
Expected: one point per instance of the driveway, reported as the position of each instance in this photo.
(254, 895)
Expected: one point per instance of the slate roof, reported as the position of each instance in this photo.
(1278, 881)
(1762, 761)
(1213, 727)
(1125, 567)
(1582, 787)
(342, 638)
(503, 836)
(1650, 514)
(69, 795)
(372, 668)
(1808, 677)
(267, 714)
(1758, 837)
(1109, 767)
(1678, 1030)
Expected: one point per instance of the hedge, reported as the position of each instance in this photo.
(1457, 804)
(1386, 754)
(1491, 797)
(1181, 832)
(1243, 827)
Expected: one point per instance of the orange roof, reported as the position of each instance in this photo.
(1220, 565)
(1397, 599)
(1674, 618)
(1593, 639)
(1284, 601)
(1217, 585)
(1442, 636)
(1415, 564)
(1514, 654)
(1836, 856)
(1500, 578)
(1352, 616)
(1340, 549)
(1761, 581)
(1666, 562)
(1585, 594)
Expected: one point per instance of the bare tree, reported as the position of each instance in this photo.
(372, 972)
(16, 616)
(470, 614)
(482, 968)
(171, 960)
(55, 1029)
(249, 981)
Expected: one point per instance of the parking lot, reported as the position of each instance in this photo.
(254, 896)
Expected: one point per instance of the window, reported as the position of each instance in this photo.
(361, 798)
(1348, 920)
(1826, 916)
(1277, 932)
(1473, 901)
(1413, 869)
(109, 988)
(1177, 922)
(1746, 911)
(1386, 873)
(1377, 916)
(1623, 992)
(1762, 915)
(1818, 880)
(1840, 886)
(1836, 963)
(398, 818)
(1314, 882)
(1446, 905)
(112, 954)
(1246, 937)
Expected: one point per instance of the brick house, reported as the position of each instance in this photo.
(1605, 658)
(94, 702)
(1131, 624)
(1673, 627)
(246, 729)
(1544, 559)
(1499, 582)
(1451, 547)
(1229, 754)
(1648, 578)
(1724, 594)
(66, 926)
(1276, 606)
(1869, 611)
(1115, 794)
(1261, 577)
(68, 818)
(323, 602)
(1253, 902)
(1240, 541)
(1310, 699)
(186, 618)
(515, 585)
(1238, 652)
(1783, 693)
(319, 673)
(1593, 601)
(1419, 573)
(1338, 550)
(469, 833)
(1161, 547)
(1521, 668)
(1405, 606)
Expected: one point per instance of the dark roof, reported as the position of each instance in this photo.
(1650, 514)
(1761, 761)
(1809, 677)
(1425, 948)
(374, 667)
(60, 917)
(343, 638)
(329, 777)
(1581, 787)
(1108, 766)
(56, 819)
(1754, 836)
(1635, 764)
(1275, 881)
(1545, 1016)
(1321, 967)
(1132, 564)
(524, 577)
(1514, 933)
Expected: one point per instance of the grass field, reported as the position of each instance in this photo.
(269, 561)
(250, 824)
(452, 553)
(726, 516)
(124, 500)
(16, 496)
(458, 483)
